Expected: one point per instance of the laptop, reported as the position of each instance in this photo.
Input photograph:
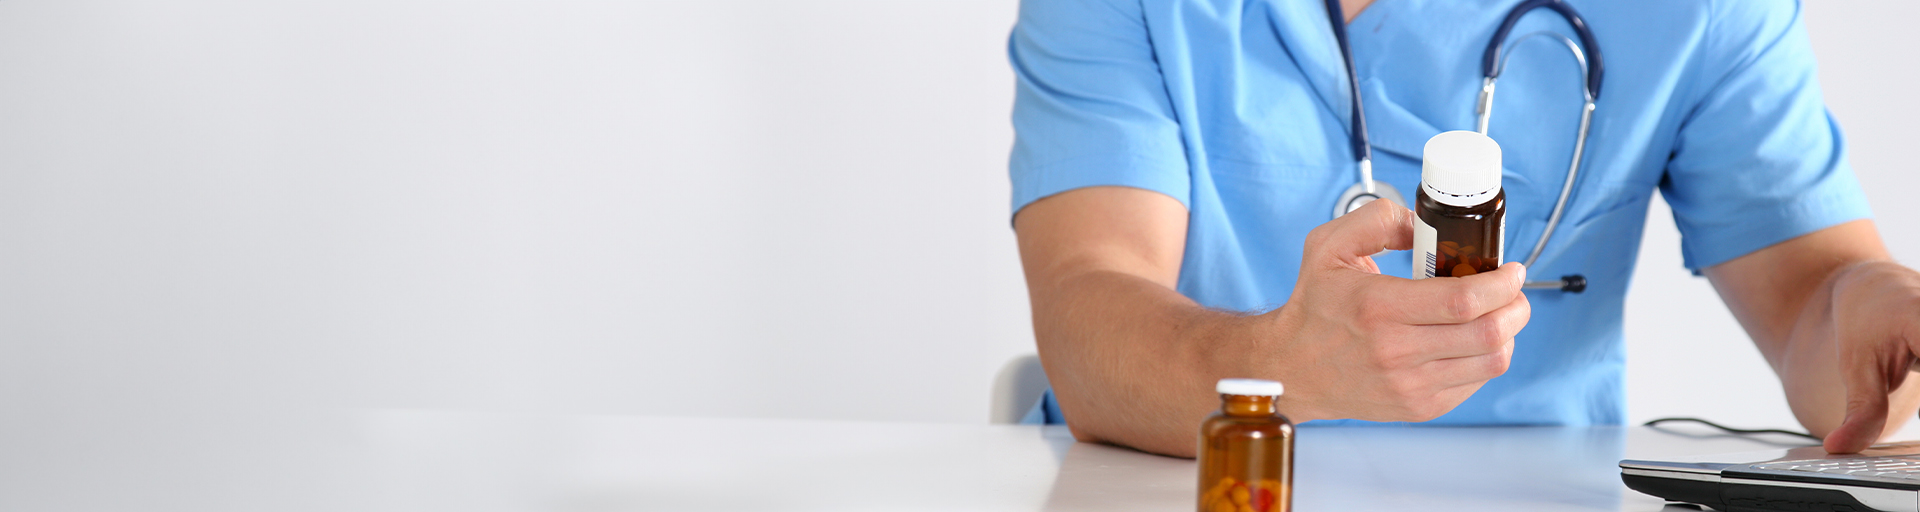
(1806, 479)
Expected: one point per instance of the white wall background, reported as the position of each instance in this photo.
(696, 207)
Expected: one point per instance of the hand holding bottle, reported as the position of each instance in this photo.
(1353, 343)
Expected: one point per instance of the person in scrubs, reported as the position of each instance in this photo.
(1177, 161)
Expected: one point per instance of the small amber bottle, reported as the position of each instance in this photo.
(1460, 211)
(1246, 450)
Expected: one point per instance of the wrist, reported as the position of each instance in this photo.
(1274, 336)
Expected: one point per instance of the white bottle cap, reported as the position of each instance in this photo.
(1249, 387)
(1460, 168)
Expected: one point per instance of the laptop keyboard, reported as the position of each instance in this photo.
(1893, 467)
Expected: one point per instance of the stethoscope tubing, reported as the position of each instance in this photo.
(1487, 89)
(1595, 70)
(1362, 146)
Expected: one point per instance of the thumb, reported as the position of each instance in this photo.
(1866, 404)
(1378, 226)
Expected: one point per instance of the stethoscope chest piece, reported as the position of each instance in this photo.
(1357, 196)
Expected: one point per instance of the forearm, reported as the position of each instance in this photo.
(1826, 309)
(1133, 362)
(1810, 368)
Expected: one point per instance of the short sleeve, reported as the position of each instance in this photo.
(1090, 105)
(1759, 160)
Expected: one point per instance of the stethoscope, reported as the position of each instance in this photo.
(1367, 190)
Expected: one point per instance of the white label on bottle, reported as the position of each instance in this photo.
(1426, 249)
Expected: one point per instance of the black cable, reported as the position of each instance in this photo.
(1740, 431)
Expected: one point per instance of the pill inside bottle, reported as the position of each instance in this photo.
(1460, 210)
(1246, 450)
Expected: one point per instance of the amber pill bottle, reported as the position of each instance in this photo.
(1246, 450)
(1460, 211)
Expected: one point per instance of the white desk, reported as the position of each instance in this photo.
(430, 461)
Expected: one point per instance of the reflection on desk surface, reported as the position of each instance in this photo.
(1381, 468)
(467, 462)
(1439, 469)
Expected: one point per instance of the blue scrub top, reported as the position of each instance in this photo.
(1239, 109)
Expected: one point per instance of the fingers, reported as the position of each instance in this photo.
(1471, 370)
(1451, 356)
(1378, 226)
(1867, 389)
(1455, 300)
(1490, 333)
(1442, 385)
